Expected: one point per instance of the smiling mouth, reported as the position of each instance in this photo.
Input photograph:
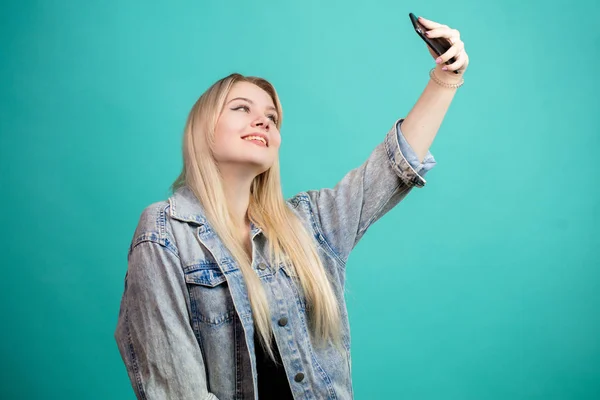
(256, 140)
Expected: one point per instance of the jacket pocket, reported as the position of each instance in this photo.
(210, 299)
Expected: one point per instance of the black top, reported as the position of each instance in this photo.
(272, 381)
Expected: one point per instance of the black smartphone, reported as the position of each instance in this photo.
(438, 45)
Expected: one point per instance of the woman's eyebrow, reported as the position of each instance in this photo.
(251, 102)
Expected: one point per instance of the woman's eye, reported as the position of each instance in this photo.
(272, 117)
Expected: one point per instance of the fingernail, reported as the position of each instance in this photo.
(438, 61)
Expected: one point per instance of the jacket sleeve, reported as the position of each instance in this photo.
(409, 154)
(345, 212)
(154, 334)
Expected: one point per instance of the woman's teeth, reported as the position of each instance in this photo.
(256, 138)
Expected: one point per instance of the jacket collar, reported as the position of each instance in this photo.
(185, 206)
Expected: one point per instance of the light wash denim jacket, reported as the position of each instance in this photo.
(185, 327)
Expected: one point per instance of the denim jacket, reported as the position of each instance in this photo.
(185, 327)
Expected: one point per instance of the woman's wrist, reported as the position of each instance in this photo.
(447, 76)
(447, 79)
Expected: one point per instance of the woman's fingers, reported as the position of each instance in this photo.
(456, 48)
(458, 64)
(444, 32)
(429, 24)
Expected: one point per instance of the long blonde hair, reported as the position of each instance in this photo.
(267, 209)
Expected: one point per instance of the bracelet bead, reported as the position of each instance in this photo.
(445, 84)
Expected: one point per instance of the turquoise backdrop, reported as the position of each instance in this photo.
(485, 284)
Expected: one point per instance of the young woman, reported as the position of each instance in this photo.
(233, 292)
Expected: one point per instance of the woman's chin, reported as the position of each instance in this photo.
(260, 164)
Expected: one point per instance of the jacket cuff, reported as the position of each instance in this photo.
(404, 160)
(409, 154)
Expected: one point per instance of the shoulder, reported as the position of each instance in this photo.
(154, 226)
(299, 200)
(303, 205)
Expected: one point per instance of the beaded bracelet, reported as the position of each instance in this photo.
(444, 84)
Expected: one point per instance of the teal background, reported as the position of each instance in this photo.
(485, 284)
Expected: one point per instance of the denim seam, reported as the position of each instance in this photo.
(238, 362)
(149, 238)
(133, 358)
(303, 196)
(324, 375)
(320, 369)
(401, 167)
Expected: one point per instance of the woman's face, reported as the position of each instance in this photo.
(249, 115)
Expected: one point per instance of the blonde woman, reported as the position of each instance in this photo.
(233, 292)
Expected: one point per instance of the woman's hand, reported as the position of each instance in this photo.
(457, 50)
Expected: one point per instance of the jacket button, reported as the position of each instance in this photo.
(262, 266)
(299, 377)
(283, 321)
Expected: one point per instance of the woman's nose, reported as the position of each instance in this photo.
(262, 122)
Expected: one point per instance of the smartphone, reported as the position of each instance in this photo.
(438, 45)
